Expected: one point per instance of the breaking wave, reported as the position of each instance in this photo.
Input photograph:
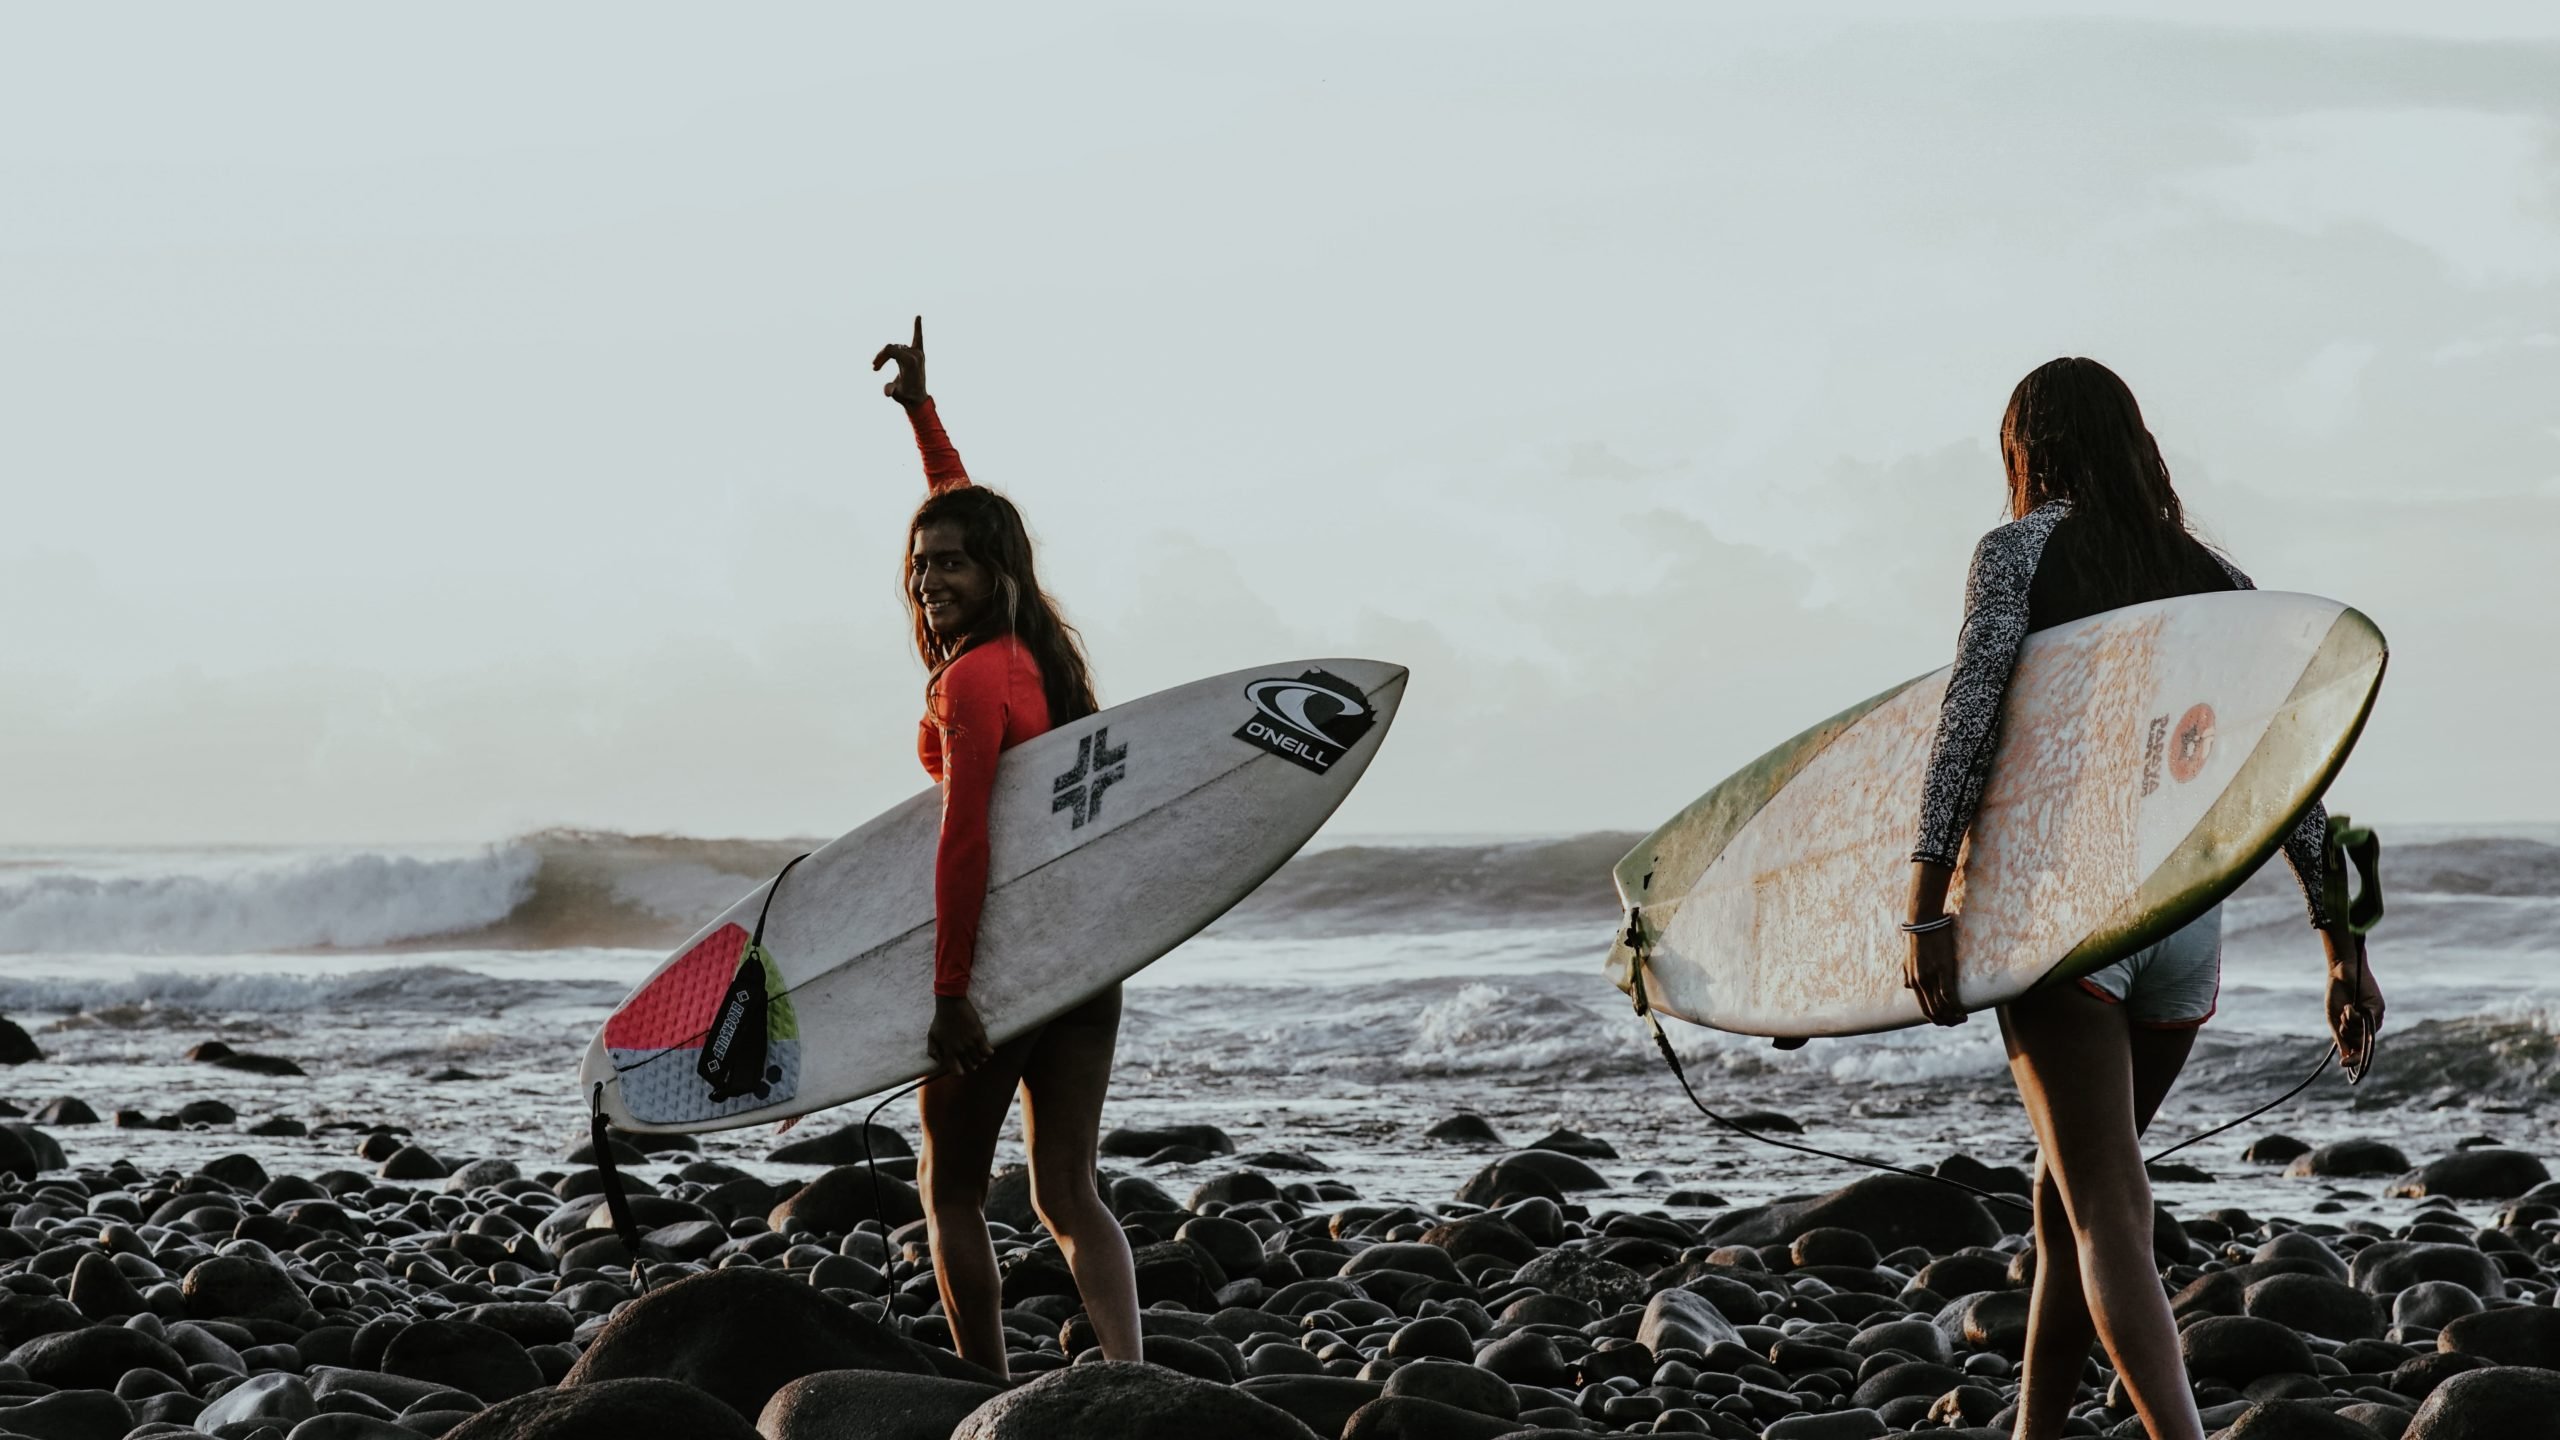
(571, 888)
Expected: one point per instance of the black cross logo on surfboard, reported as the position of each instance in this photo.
(1098, 766)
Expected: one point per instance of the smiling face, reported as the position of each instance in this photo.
(951, 587)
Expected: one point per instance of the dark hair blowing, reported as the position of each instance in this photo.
(992, 533)
(2073, 432)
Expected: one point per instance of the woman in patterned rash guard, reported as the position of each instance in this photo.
(2095, 527)
(1004, 667)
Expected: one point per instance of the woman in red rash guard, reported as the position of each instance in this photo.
(1004, 667)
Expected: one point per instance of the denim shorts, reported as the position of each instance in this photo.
(2171, 985)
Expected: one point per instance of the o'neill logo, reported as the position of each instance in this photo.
(1308, 721)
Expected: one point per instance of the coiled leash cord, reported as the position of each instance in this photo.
(2362, 909)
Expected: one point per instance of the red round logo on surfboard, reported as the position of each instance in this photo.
(2192, 745)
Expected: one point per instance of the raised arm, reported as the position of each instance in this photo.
(942, 467)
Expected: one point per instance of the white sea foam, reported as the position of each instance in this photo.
(362, 899)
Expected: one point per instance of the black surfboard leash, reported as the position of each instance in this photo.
(2360, 910)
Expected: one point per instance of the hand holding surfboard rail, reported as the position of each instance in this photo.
(2149, 760)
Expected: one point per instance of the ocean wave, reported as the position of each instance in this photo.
(574, 888)
(149, 997)
(341, 901)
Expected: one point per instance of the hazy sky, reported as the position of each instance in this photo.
(433, 423)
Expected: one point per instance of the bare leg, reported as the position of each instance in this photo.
(2073, 1057)
(961, 1115)
(2059, 1328)
(1063, 1083)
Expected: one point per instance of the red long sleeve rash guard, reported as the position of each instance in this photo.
(984, 703)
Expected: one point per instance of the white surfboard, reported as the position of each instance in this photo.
(2149, 760)
(1113, 839)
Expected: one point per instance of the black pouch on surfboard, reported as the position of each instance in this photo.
(733, 1056)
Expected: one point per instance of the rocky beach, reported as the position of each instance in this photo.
(294, 1153)
(404, 1293)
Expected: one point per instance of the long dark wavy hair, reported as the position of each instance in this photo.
(992, 533)
(2074, 432)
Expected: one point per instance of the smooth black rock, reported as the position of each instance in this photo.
(17, 1047)
(2349, 1157)
(1237, 1187)
(1995, 1320)
(2237, 1349)
(1455, 1383)
(2291, 1420)
(2316, 1305)
(1573, 1142)
(44, 1149)
(475, 1359)
(842, 1198)
(1106, 1401)
(1482, 1235)
(1231, 1243)
(275, 1398)
(1138, 1144)
(101, 1290)
(608, 1410)
(2505, 1402)
(870, 1405)
(65, 1110)
(412, 1162)
(1526, 1358)
(2391, 1266)
(740, 1334)
(1412, 1417)
(1465, 1130)
(2509, 1335)
(17, 1157)
(1891, 1210)
(2479, 1174)
(1505, 1181)
(1323, 1403)
(842, 1146)
(2434, 1304)
(230, 1287)
(214, 1052)
(94, 1358)
(81, 1414)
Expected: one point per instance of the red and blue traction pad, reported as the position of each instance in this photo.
(667, 1047)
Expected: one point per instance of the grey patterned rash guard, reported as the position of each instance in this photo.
(1998, 616)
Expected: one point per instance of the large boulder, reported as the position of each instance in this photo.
(94, 1358)
(40, 1150)
(2504, 1402)
(460, 1355)
(870, 1405)
(847, 1195)
(1413, 1417)
(2349, 1158)
(2488, 1173)
(2508, 1335)
(608, 1410)
(740, 1334)
(1891, 1210)
(1109, 1401)
(89, 1414)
